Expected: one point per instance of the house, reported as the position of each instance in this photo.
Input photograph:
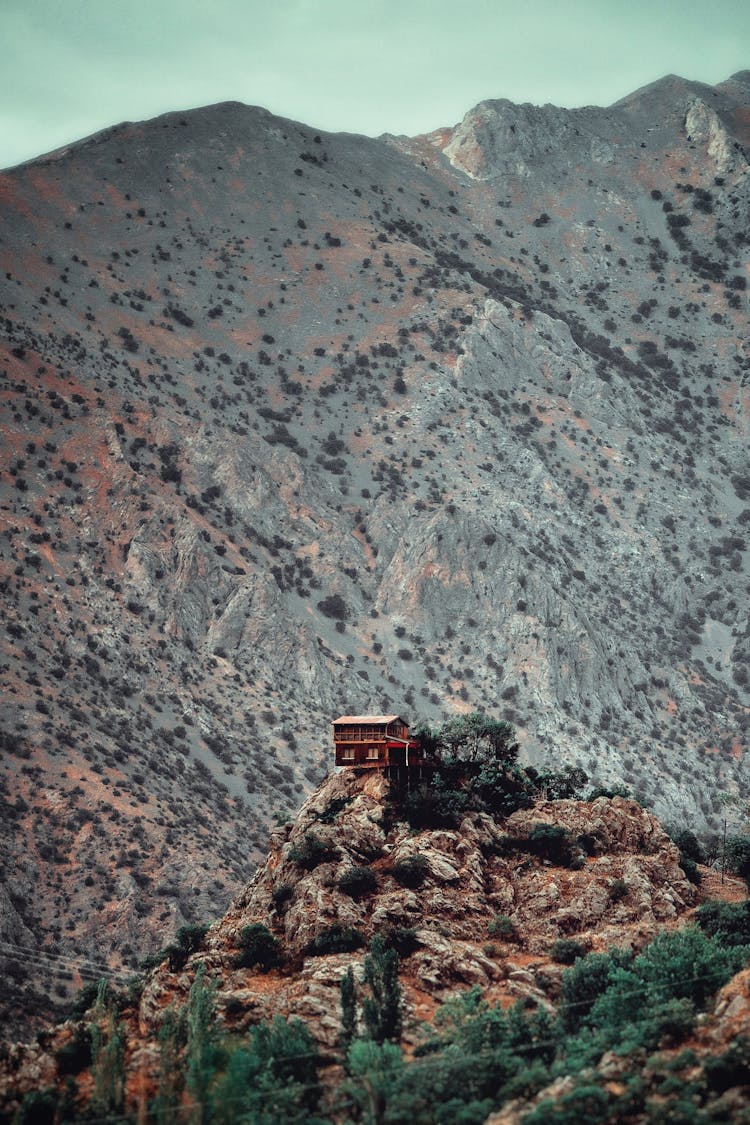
(374, 741)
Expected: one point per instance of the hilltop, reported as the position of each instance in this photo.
(298, 424)
(479, 917)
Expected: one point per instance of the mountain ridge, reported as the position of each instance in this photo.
(300, 424)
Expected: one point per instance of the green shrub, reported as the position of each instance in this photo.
(334, 606)
(585, 982)
(738, 854)
(610, 792)
(687, 964)
(653, 997)
(618, 889)
(501, 926)
(439, 803)
(333, 808)
(189, 940)
(688, 844)
(690, 868)
(272, 1076)
(335, 939)
(722, 1072)
(358, 882)
(37, 1108)
(727, 922)
(281, 896)
(500, 789)
(310, 852)
(411, 871)
(85, 998)
(551, 842)
(403, 939)
(259, 949)
(75, 1055)
(566, 950)
(583, 1103)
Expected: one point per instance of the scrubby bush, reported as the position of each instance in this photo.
(727, 922)
(738, 854)
(565, 951)
(501, 926)
(281, 896)
(551, 842)
(690, 869)
(722, 1072)
(586, 1102)
(585, 982)
(335, 939)
(189, 940)
(636, 1002)
(335, 607)
(401, 938)
(259, 949)
(691, 852)
(618, 890)
(411, 871)
(333, 808)
(358, 882)
(609, 791)
(688, 843)
(310, 852)
(437, 803)
(84, 999)
(37, 1108)
(272, 1076)
(75, 1055)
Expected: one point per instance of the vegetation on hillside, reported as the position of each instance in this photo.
(471, 1060)
(622, 1014)
(473, 767)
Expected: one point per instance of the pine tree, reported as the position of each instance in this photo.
(348, 1010)
(382, 1009)
(107, 1055)
(172, 1037)
(203, 1047)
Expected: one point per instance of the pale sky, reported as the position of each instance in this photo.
(71, 67)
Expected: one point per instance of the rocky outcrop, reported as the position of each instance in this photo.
(484, 909)
(704, 125)
(623, 884)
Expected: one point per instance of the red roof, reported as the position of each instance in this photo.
(369, 720)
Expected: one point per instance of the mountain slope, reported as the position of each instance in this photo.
(298, 424)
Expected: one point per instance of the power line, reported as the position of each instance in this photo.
(60, 961)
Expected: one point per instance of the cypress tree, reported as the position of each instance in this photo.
(172, 1037)
(203, 1047)
(107, 1055)
(382, 1009)
(348, 1010)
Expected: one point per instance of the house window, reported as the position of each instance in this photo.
(347, 753)
(373, 753)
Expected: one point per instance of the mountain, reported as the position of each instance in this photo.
(485, 912)
(298, 424)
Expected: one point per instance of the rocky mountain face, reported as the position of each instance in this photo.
(299, 424)
(621, 887)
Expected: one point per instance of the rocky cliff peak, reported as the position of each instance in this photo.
(485, 904)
